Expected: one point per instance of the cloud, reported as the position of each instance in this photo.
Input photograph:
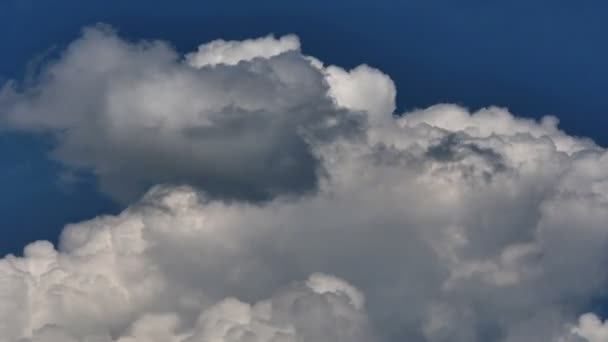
(235, 118)
(591, 328)
(232, 52)
(439, 224)
(324, 308)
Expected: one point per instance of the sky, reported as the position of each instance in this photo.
(453, 150)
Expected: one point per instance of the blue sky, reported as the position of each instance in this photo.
(534, 57)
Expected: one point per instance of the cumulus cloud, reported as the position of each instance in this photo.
(591, 328)
(324, 308)
(235, 118)
(456, 225)
(232, 52)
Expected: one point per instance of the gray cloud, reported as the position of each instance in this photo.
(436, 225)
(136, 114)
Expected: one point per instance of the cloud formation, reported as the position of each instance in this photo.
(234, 118)
(439, 224)
(590, 328)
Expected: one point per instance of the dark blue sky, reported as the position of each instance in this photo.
(534, 57)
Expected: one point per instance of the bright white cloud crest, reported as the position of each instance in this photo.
(291, 191)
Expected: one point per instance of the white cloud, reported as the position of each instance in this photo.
(363, 89)
(457, 226)
(232, 52)
(592, 328)
(300, 312)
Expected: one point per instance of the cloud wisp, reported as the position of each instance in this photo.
(291, 204)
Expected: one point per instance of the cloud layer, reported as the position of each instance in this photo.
(435, 225)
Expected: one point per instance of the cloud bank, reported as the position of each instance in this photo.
(293, 205)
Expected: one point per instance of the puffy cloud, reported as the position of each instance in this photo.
(106, 284)
(324, 308)
(235, 118)
(592, 328)
(364, 89)
(232, 52)
(457, 225)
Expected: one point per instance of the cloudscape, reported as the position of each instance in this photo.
(270, 196)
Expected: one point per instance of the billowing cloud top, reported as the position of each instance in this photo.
(232, 52)
(344, 222)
